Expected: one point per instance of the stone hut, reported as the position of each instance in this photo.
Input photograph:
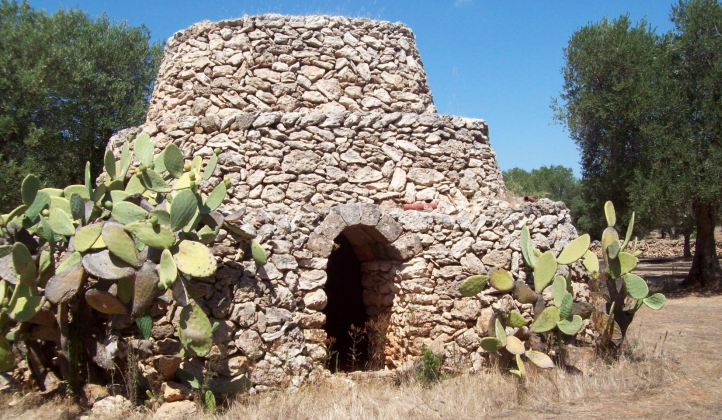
(327, 128)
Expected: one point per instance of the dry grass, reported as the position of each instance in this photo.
(672, 371)
(543, 394)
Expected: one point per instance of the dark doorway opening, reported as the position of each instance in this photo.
(345, 312)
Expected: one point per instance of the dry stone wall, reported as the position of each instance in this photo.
(305, 173)
(287, 63)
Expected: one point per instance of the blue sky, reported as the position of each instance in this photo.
(496, 60)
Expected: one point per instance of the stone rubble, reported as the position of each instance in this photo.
(326, 127)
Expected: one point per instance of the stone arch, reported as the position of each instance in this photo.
(359, 237)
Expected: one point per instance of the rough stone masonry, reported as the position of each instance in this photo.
(327, 127)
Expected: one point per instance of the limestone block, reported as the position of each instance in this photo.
(316, 300)
(405, 247)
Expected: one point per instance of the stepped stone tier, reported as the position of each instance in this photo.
(327, 128)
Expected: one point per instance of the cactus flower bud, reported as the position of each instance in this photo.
(143, 168)
(45, 212)
(226, 178)
(191, 176)
(186, 166)
(151, 166)
(153, 220)
(217, 151)
(108, 205)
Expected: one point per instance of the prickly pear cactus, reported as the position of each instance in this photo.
(623, 292)
(127, 238)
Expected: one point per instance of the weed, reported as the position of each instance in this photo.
(376, 330)
(429, 368)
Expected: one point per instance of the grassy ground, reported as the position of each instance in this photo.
(673, 371)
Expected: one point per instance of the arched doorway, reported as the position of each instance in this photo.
(346, 315)
(365, 249)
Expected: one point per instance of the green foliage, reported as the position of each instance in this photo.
(501, 280)
(195, 331)
(145, 324)
(610, 85)
(644, 110)
(473, 285)
(429, 370)
(209, 401)
(554, 182)
(54, 69)
(115, 239)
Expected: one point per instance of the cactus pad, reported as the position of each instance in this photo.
(491, 344)
(546, 321)
(570, 326)
(623, 264)
(514, 345)
(540, 359)
(86, 236)
(628, 236)
(215, 198)
(523, 293)
(29, 188)
(156, 236)
(656, 301)
(125, 159)
(154, 182)
(194, 330)
(173, 160)
(501, 280)
(77, 207)
(167, 271)
(120, 244)
(143, 149)
(63, 286)
(125, 289)
(636, 286)
(574, 250)
(527, 248)
(24, 304)
(76, 189)
(610, 214)
(259, 254)
(499, 332)
(194, 259)
(559, 289)
(24, 264)
(591, 262)
(41, 202)
(134, 186)
(183, 209)
(68, 262)
(613, 249)
(60, 222)
(104, 302)
(126, 212)
(106, 266)
(146, 288)
(566, 305)
(145, 324)
(546, 267)
(7, 358)
(516, 320)
(473, 285)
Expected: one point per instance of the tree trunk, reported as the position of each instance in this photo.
(705, 271)
(687, 250)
